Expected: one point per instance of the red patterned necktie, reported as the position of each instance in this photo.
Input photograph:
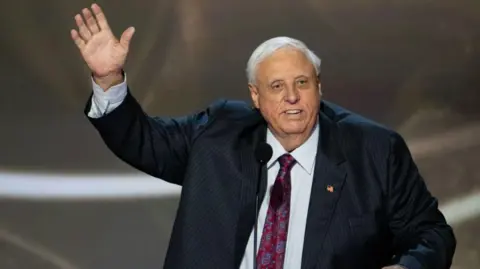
(274, 238)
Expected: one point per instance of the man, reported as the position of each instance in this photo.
(338, 192)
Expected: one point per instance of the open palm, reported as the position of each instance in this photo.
(101, 50)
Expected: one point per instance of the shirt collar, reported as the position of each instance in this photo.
(304, 155)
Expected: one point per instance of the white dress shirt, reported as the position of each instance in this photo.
(301, 178)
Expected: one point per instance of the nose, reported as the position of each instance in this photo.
(291, 95)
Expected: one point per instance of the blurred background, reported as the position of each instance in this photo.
(67, 202)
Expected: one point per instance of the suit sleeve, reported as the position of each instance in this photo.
(158, 146)
(422, 238)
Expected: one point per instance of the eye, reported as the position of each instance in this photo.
(277, 86)
(302, 82)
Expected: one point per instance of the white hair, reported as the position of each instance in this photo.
(268, 47)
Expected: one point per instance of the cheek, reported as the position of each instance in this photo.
(270, 110)
(270, 104)
(311, 101)
(271, 113)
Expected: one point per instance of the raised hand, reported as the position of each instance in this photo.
(104, 54)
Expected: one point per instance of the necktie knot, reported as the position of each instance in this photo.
(286, 161)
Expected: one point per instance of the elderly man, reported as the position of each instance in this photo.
(336, 190)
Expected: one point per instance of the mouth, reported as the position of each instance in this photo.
(293, 111)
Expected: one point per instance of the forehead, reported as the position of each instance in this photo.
(284, 63)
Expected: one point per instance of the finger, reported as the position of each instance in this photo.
(85, 13)
(101, 19)
(90, 21)
(127, 37)
(82, 28)
(77, 39)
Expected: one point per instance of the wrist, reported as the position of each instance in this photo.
(110, 80)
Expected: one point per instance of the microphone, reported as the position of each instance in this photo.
(263, 153)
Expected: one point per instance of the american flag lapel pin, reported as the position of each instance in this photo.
(330, 188)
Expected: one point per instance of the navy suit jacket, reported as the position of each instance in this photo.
(380, 212)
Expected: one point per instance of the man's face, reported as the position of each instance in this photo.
(287, 92)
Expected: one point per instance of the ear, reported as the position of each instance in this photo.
(319, 85)
(254, 94)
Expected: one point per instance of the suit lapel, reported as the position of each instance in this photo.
(252, 134)
(328, 180)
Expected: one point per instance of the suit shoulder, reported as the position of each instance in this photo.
(224, 109)
(356, 126)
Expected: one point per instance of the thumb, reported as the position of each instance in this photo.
(127, 37)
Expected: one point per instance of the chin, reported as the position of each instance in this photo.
(294, 129)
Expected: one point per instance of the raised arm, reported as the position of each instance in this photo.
(157, 146)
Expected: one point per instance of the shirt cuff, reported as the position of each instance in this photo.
(104, 102)
(115, 94)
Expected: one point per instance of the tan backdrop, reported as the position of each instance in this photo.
(412, 65)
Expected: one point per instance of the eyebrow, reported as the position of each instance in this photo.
(276, 80)
(301, 76)
(282, 80)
